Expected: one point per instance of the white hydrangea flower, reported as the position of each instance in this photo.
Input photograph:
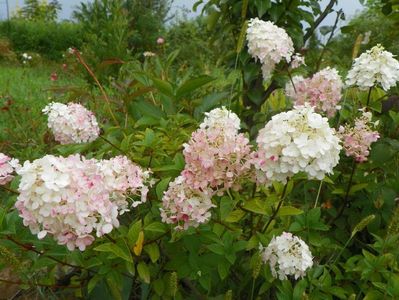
(222, 118)
(299, 140)
(375, 66)
(287, 255)
(269, 44)
(71, 123)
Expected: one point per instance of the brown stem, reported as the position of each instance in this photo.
(328, 40)
(277, 209)
(342, 208)
(39, 284)
(30, 248)
(9, 190)
(85, 65)
(113, 145)
(368, 97)
(320, 19)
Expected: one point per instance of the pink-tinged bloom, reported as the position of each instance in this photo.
(71, 123)
(160, 41)
(269, 44)
(357, 140)
(322, 91)
(54, 76)
(184, 206)
(64, 67)
(75, 199)
(217, 156)
(8, 166)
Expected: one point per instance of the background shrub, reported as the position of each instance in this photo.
(48, 39)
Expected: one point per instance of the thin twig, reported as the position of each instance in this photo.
(85, 65)
(339, 13)
(320, 19)
(342, 208)
(9, 190)
(39, 284)
(277, 209)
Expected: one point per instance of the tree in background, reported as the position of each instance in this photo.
(36, 10)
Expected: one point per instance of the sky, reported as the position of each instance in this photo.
(350, 7)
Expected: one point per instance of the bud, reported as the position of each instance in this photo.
(160, 41)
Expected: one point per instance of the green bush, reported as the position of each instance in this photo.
(48, 39)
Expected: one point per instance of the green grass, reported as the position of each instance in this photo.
(23, 128)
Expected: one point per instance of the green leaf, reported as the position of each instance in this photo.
(262, 6)
(120, 251)
(235, 216)
(153, 251)
(144, 272)
(161, 187)
(159, 286)
(191, 85)
(241, 37)
(133, 233)
(256, 206)
(226, 206)
(357, 187)
(212, 20)
(163, 87)
(147, 109)
(289, 211)
(223, 269)
(156, 227)
(215, 248)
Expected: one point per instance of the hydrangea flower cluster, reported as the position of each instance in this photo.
(8, 166)
(287, 255)
(323, 90)
(71, 123)
(185, 206)
(358, 139)
(299, 140)
(72, 198)
(375, 66)
(269, 44)
(217, 156)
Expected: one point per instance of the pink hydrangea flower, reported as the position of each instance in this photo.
(357, 140)
(71, 123)
(160, 41)
(8, 166)
(75, 199)
(217, 156)
(184, 206)
(322, 91)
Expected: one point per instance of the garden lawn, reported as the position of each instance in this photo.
(24, 92)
